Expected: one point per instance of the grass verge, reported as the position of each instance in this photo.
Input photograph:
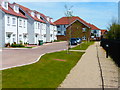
(83, 46)
(48, 72)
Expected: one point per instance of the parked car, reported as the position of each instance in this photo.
(79, 40)
(73, 41)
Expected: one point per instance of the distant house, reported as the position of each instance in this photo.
(103, 33)
(95, 32)
(14, 24)
(76, 25)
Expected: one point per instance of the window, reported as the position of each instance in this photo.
(64, 32)
(84, 38)
(41, 18)
(16, 8)
(13, 20)
(51, 35)
(24, 23)
(5, 4)
(59, 31)
(84, 29)
(38, 25)
(64, 26)
(58, 26)
(8, 20)
(20, 22)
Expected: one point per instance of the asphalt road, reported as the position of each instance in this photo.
(13, 57)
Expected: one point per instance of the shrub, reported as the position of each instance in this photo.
(17, 45)
(114, 31)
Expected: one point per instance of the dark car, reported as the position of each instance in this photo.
(79, 40)
(73, 41)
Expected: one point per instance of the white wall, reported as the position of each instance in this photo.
(43, 32)
(16, 31)
(11, 29)
(22, 30)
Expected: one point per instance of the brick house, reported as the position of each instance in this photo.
(72, 27)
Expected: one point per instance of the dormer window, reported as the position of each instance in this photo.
(83, 29)
(32, 14)
(48, 19)
(16, 9)
(5, 5)
(38, 16)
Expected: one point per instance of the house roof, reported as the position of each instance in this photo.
(93, 27)
(103, 31)
(79, 21)
(27, 10)
(12, 12)
(67, 20)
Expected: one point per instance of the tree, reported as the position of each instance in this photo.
(114, 31)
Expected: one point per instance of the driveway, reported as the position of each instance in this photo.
(13, 57)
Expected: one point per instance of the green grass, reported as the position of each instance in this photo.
(83, 46)
(46, 73)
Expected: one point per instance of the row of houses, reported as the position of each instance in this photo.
(19, 24)
(75, 27)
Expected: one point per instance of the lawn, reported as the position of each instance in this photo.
(48, 72)
(83, 46)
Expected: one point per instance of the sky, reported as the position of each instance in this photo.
(100, 14)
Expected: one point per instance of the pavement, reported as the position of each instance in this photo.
(87, 72)
(16, 57)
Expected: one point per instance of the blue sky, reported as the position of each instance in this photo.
(97, 13)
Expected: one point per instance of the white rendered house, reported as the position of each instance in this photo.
(13, 19)
(36, 25)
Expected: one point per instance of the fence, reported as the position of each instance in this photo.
(113, 48)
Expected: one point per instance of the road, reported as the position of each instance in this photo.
(13, 57)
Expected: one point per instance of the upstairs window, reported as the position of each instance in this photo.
(59, 32)
(58, 26)
(38, 16)
(20, 22)
(64, 26)
(16, 9)
(24, 23)
(13, 21)
(38, 25)
(8, 20)
(5, 4)
(32, 14)
(83, 29)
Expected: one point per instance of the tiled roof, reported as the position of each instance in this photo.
(93, 27)
(27, 10)
(12, 12)
(103, 31)
(67, 20)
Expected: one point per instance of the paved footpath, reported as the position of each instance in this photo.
(13, 57)
(86, 74)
